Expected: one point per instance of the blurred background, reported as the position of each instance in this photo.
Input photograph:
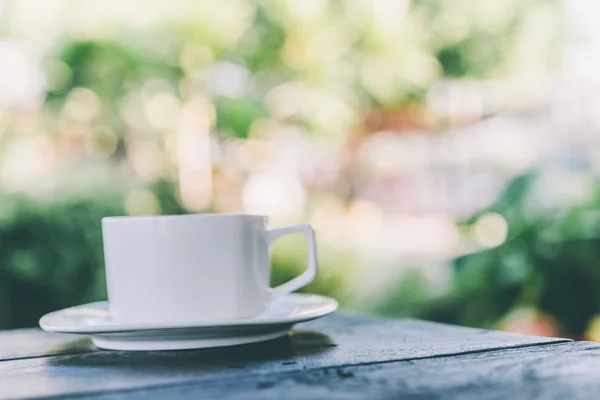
(448, 153)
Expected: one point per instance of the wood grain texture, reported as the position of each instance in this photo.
(332, 342)
(558, 371)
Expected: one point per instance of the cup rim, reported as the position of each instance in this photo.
(133, 218)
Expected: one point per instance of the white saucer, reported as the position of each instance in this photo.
(94, 319)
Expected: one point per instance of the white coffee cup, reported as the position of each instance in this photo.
(192, 268)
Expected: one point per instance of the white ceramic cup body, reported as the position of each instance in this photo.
(186, 268)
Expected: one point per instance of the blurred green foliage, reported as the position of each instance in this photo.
(343, 59)
(50, 255)
(549, 262)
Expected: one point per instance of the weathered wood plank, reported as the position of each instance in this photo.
(411, 338)
(27, 343)
(557, 371)
(337, 340)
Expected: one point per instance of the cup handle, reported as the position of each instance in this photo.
(311, 270)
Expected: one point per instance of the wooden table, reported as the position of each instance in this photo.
(340, 356)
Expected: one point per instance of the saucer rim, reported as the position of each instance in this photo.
(330, 304)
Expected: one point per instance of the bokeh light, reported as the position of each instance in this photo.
(490, 230)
